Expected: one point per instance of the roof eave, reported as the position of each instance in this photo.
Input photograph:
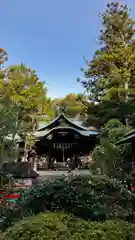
(125, 140)
(62, 116)
(82, 133)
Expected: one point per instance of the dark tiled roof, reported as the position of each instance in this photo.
(83, 133)
(19, 170)
(68, 125)
(68, 121)
(127, 138)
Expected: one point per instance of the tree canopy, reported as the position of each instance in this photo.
(109, 76)
(23, 95)
(72, 105)
(23, 88)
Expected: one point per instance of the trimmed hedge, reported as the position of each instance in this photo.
(63, 227)
(95, 198)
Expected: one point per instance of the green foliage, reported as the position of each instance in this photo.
(5, 179)
(94, 197)
(109, 76)
(9, 127)
(60, 226)
(113, 123)
(24, 89)
(8, 121)
(71, 105)
(115, 161)
(100, 113)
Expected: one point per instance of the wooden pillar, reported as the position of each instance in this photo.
(63, 153)
(50, 157)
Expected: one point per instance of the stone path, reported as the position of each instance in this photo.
(53, 174)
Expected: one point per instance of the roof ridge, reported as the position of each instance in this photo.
(57, 118)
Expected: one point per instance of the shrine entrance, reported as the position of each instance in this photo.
(62, 151)
(61, 140)
(61, 145)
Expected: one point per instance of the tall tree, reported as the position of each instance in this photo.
(24, 90)
(109, 76)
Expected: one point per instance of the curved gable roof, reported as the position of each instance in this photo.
(85, 133)
(55, 123)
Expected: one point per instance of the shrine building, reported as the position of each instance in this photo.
(62, 139)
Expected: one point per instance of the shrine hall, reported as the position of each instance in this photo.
(62, 139)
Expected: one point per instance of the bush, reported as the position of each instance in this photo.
(114, 161)
(93, 197)
(60, 226)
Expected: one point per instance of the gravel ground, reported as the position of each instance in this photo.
(54, 174)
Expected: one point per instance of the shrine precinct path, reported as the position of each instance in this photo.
(53, 174)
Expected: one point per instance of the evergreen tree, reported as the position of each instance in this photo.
(23, 90)
(109, 76)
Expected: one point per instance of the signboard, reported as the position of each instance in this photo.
(62, 146)
(23, 183)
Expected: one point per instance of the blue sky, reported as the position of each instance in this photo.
(52, 36)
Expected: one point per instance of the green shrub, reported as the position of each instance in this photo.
(62, 227)
(92, 197)
(114, 161)
(95, 197)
